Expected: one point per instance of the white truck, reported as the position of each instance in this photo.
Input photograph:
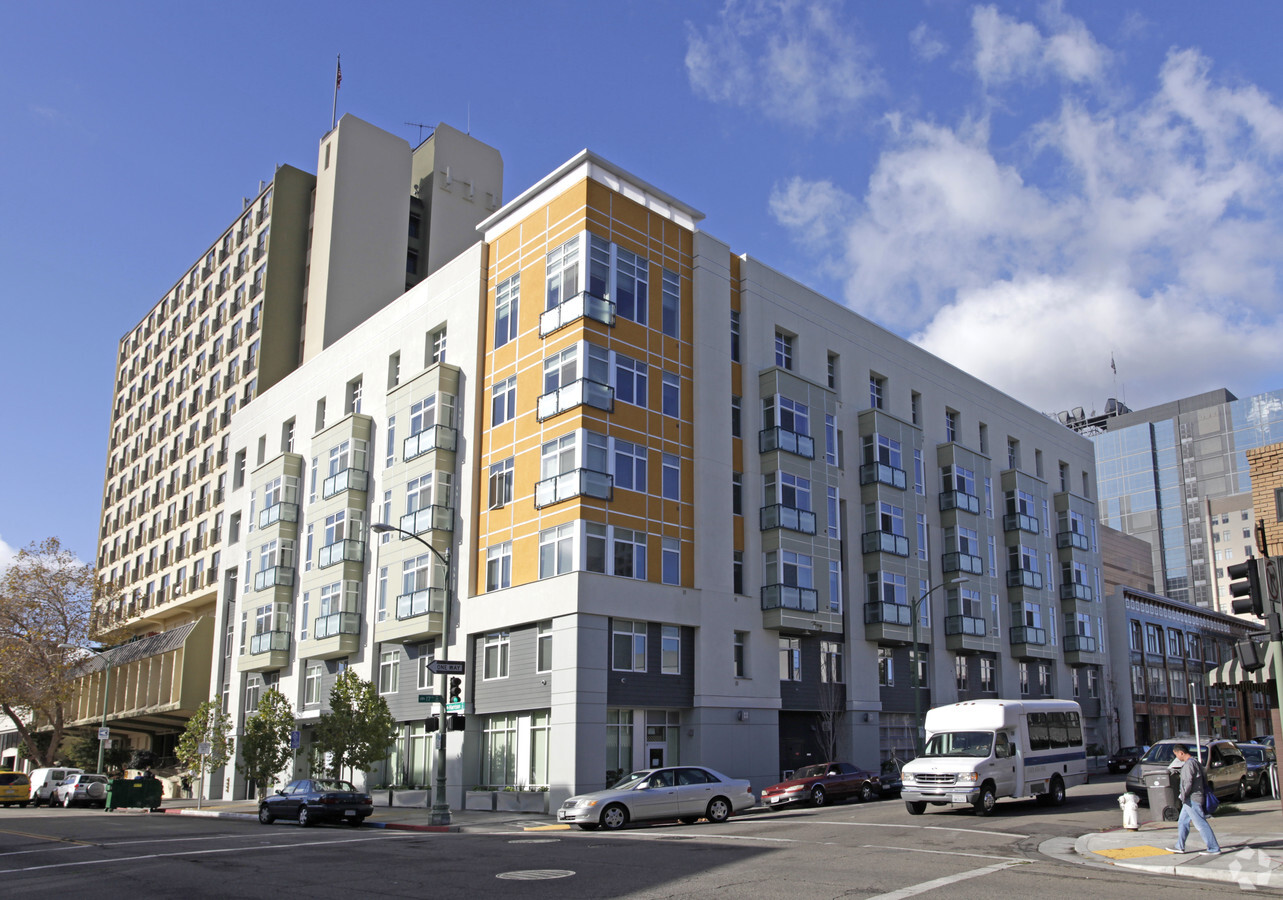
(979, 750)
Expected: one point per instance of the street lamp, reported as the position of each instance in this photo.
(917, 694)
(106, 689)
(440, 806)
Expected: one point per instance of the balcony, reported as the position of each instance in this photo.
(434, 437)
(1074, 590)
(885, 542)
(966, 633)
(962, 562)
(881, 473)
(278, 512)
(778, 438)
(268, 651)
(282, 576)
(1019, 522)
(334, 635)
(341, 551)
(430, 518)
(582, 305)
(583, 392)
(889, 623)
(1029, 642)
(348, 479)
(796, 609)
(1071, 539)
(781, 516)
(1024, 578)
(1081, 650)
(579, 482)
(959, 500)
(418, 617)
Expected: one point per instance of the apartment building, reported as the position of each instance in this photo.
(301, 264)
(692, 509)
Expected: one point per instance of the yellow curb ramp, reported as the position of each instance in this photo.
(1133, 852)
(546, 828)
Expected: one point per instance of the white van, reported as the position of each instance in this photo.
(43, 782)
(980, 750)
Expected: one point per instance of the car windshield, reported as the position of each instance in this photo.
(1129, 751)
(810, 772)
(1253, 754)
(1162, 754)
(630, 780)
(334, 786)
(85, 779)
(960, 743)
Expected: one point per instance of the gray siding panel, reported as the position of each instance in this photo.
(652, 688)
(524, 688)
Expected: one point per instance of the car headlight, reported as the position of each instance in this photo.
(794, 789)
(972, 777)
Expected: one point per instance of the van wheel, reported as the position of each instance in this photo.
(987, 800)
(1241, 794)
(915, 807)
(1056, 796)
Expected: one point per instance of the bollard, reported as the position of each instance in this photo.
(1130, 804)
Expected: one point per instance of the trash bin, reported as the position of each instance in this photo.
(133, 793)
(1163, 801)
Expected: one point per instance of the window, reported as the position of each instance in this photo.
(506, 299)
(786, 413)
(543, 647)
(886, 667)
(563, 273)
(1153, 639)
(737, 571)
(495, 655)
(671, 477)
(831, 440)
(557, 550)
(737, 428)
(877, 391)
(671, 561)
(831, 662)
(671, 303)
(503, 401)
(1013, 453)
(835, 586)
(389, 669)
(832, 505)
(312, 683)
(628, 646)
(630, 466)
(353, 397)
(960, 672)
(739, 654)
(783, 350)
(1024, 678)
(670, 650)
(427, 652)
(790, 659)
(436, 347)
(832, 370)
(787, 489)
(501, 483)
(735, 353)
(950, 426)
(986, 674)
(630, 285)
(499, 566)
(671, 395)
(630, 381)
(629, 553)
(915, 407)
(1134, 632)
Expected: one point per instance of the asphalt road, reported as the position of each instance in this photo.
(848, 850)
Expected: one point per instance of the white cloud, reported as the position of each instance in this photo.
(926, 43)
(7, 555)
(1007, 50)
(815, 210)
(796, 62)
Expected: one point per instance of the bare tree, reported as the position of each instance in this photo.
(47, 600)
(829, 719)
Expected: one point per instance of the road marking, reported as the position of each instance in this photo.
(1006, 834)
(128, 859)
(915, 889)
(1013, 859)
(48, 837)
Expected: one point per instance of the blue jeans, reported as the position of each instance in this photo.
(1191, 813)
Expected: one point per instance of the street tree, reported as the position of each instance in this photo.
(47, 614)
(358, 729)
(208, 725)
(265, 744)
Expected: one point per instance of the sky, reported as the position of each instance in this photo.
(1071, 200)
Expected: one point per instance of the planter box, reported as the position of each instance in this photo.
(381, 797)
(415, 798)
(479, 800)
(521, 801)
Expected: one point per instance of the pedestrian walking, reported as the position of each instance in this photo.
(1193, 791)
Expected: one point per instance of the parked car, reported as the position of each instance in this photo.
(1266, 739)
(312, 800)
(45, 780)
(1259, 759)
(80, 788)
(685, 793)
(1225, 767)
(891, 781)
(1124, 758)
(823, 783)
(15, 787)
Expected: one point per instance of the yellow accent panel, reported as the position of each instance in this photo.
(737, 532)
(1132, 852)
(737, 453)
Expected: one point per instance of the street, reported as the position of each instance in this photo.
(848, 850)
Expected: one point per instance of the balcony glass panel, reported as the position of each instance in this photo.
(1027, 634)
(584, 392)
(430, 518)
(971, 625)
(1075, 591)
(1024, 578)
(266, 578)
(887, 613)
(336, 624)
(784, 596)
(885, 542)
(780, 516)
(1080, 643)
(341, 551)
(579, 306)
(348, 479)
(881, 473)
(778, 438)
(579, 482)
(963, 562)
(1019, 522)
(267, 641)
(1076, 540)
(420, 603)
(959, 500)
(435, 437)
(278, 512)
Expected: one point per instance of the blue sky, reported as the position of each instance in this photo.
(1027, 189)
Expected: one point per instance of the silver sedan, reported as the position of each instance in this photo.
(685, 793)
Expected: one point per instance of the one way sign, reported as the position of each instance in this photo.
(445, 667)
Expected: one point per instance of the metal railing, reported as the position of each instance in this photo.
(434, 437)
(579, 306)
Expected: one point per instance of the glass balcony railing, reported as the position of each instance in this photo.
(583, 392)
(1080, 643)
(1028, 634)
(959, 500)
(341, 551)
(780, 516)
(430, 518)
(880, 611)
(785, 596)
(1073, 590)
(1019, 522)
(576, 483)
(420, 603)
(267, 641)
(778, 438)
(434, 437)
(881, 473)
(278, 512)
(973, 626)
(1024, 578)
(276, 575)
(582, 305)
(335, 624)
(885, 542)
(963, 562)
(348, 479)
(1075, 539)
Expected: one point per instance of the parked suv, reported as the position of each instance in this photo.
(1224, 764)
(45, 781)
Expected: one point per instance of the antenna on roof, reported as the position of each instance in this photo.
(420, 126)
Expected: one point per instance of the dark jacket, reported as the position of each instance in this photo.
(1193, 782)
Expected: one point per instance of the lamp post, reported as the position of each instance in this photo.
(106, 690)
(440, 806)
(917, 694)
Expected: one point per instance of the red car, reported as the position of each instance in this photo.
(823, 783)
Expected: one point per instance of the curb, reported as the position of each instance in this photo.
(211, 814)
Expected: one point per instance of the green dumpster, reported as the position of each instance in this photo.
(134, 793)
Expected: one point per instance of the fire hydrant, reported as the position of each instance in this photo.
(1130, 804)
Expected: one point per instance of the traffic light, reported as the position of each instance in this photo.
(431, 724)
(1250, 654)
(456, 723)
(456, 689)
(1246, 588)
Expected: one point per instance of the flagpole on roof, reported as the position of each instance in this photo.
(338, 79)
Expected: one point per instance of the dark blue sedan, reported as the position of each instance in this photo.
(312, 800)
(1259, 759)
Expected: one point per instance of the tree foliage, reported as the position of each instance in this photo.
(265, 745)
(358, 729)
(47, 603)
(209, 724)
(82, 751)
